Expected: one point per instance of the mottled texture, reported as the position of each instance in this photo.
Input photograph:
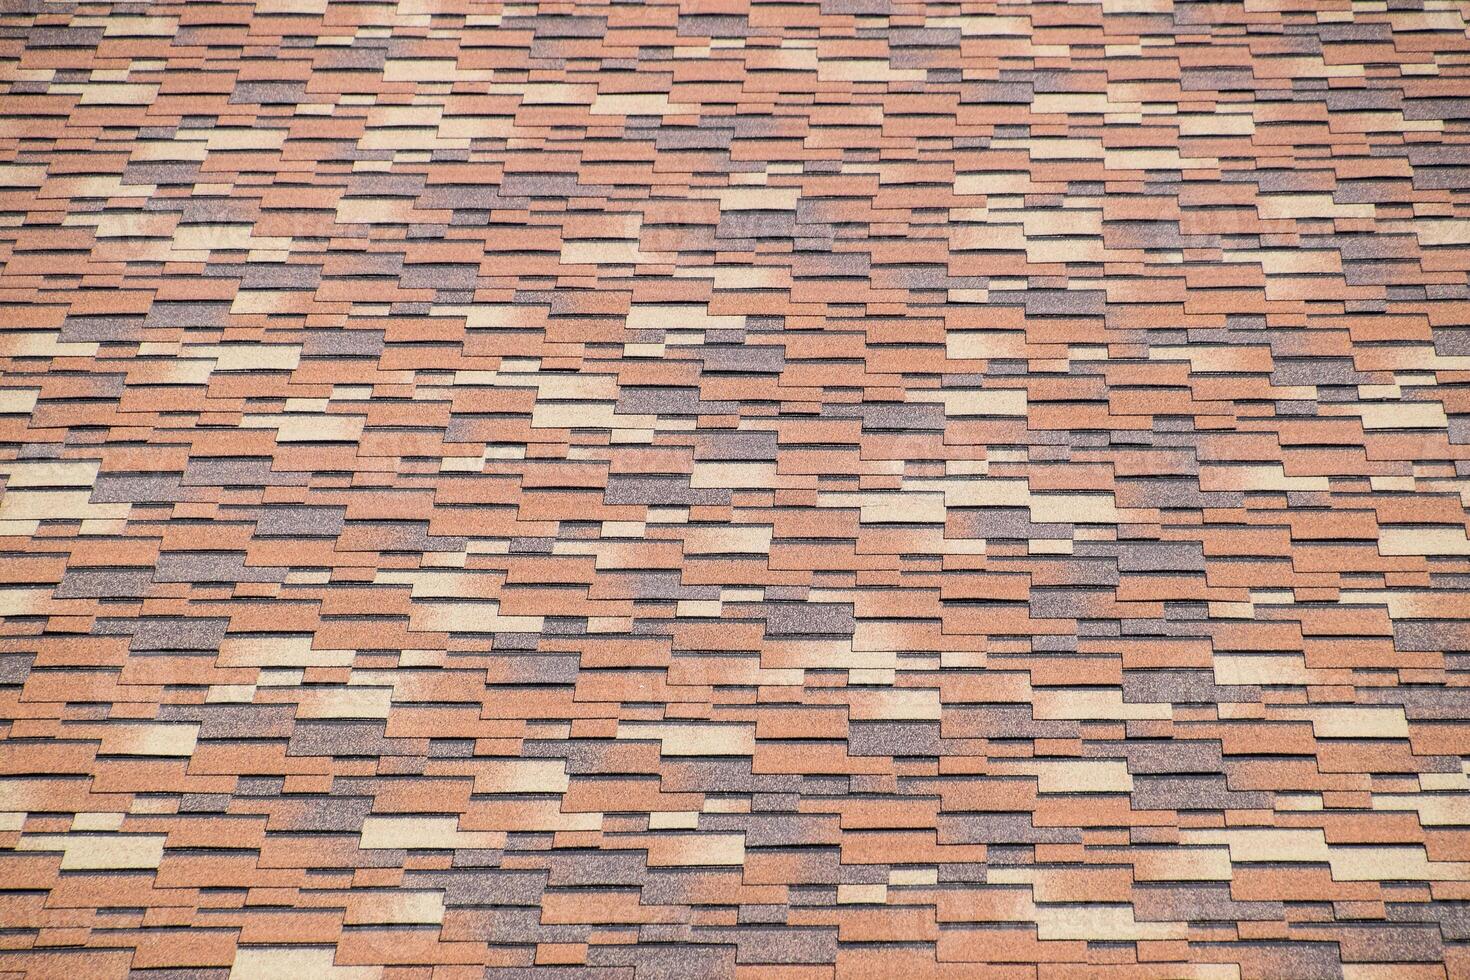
(830, 490)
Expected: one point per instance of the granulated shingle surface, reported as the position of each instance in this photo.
(854, 489)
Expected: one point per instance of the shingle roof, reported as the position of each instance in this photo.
(842, 489)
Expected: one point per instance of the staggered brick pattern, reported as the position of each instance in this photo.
(855, 489)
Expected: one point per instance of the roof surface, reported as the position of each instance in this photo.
(855, 489)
